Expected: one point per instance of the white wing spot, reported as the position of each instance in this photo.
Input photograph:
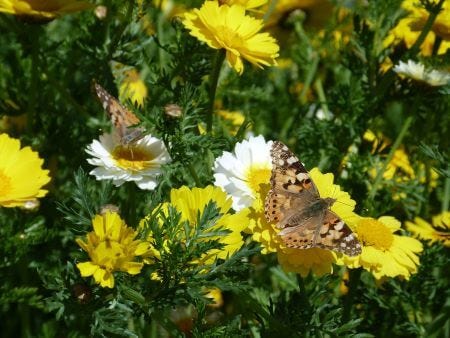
(349, 238)
(339, 226)
(291, 160)
(302, 176)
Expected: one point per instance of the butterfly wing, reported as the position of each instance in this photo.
(121, 117)
(294, 203)
(292, 189)
(331, 234)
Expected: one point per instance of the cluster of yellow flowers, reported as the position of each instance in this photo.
(112, 245)
(409, 28)
(241, 179)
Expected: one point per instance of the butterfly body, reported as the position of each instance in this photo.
(295, 205)
(123, 119)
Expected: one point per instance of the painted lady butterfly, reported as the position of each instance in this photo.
(304, 217)
(121, 117)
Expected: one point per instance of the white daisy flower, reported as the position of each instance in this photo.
(139, 162)
(438, 78)
(417, 71)
(242, 172)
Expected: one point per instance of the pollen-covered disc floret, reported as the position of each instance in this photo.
(139, 162)
(384, 253)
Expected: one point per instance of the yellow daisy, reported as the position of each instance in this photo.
(216, 297)
(42, 10)
(21, 174)
(384, 254)
(441, 25)
(192, 202)
(439, 231)
(133, 88)
(406, 31)
(399, 168)
(247, 4)
(232, 119)
(111, 247)
(227, 27)
(314, 260)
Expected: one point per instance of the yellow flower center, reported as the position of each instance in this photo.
(5, 184)
(257, 177)
(229, 37)
(132, 158)
(374, 233)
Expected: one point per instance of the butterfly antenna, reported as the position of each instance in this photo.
(349, 205)
(334, 194)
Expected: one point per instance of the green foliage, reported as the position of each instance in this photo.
(322, 98)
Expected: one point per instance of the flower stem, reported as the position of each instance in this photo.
(322, 98)
(309, 78)
(426, 28)
(213, 80)
(354, 277)
(194, 174)
(395, 146)
(131, 202)
(31, 108)
(303, 295)
(389, 77)
(121, 29)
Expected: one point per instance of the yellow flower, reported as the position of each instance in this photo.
(399, 168)
(247, 4)
(378, 140)
(111, 247)
(227, 27)
(384, 254)
(169, 8)
(314, 260)
(133, 88)
(441, 25)
(192, 202)
(42, 10)
(21, 174)
(438, 232)
(399, 162)
(318, 12)
(407, 30)
(216, 297)
(234, 119)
